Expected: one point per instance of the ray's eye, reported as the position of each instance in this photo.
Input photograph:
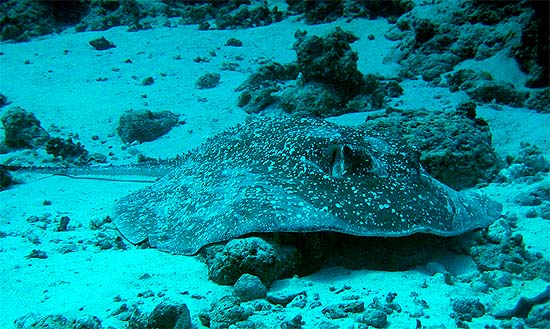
(366, 162)
(345, 161)
(347, 151)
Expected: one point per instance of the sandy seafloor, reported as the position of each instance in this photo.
(63, 92)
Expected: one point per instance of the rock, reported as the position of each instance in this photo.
(148, 81)
(6, 179)
(343, 310)
(249, 287)
(226, 312)
(467, 308)
(23, 19)
(318, 12)
(245, 15)
(532, 52)
(105, 14)
(33, 320)
(453, 148)
(536, 196)
(467, 110)
(497, 279)
(294, 323)
(481, 87)
(527, 165)
(208, 81)
(539, 316)
(90, 322)
(328, 325)
(329, 85)
(480, 286)
(144, 125)
(258, 89)
(528, 199)
(434, 65)
(329, 60)
(166, 316)
(432, 45)
(269, 75)
(67, 150)
(531, 296)
(22, 129)
(499, 92)
(424, 30)
(57, 321)
(539, 100)
(373, 318)
(63, 224)
(101, 44)
(250, 255)
(35, 253)
(512, 172)
(499, 232)
(531, 156)
(313, 99)
(234, 42)
(3, 100)
(258, 100)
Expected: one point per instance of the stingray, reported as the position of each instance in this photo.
(296, 175)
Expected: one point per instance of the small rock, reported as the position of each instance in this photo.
(295, 323)
(146, 294)
(528, 199)
(545, 211)
(6, 179)
(342, 310)
(249, 287)
(101, 44)
(208, 81)
(89, 322)
(63, 223)
(226, 312)
(67, 149)
(144, 125)
(35, 253)
(147, 81)
(167, 316)
(467, 109)
(328, 325)
(234, 42)
(539, 317)
(480, 286)
(33, 320)
(3, 100)
(531, 213)
(499, 232)
(250, 255)
(524, 305)
(467, 308)
(497, 279)
(424, 30)
(373, 318)
(22, 129)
